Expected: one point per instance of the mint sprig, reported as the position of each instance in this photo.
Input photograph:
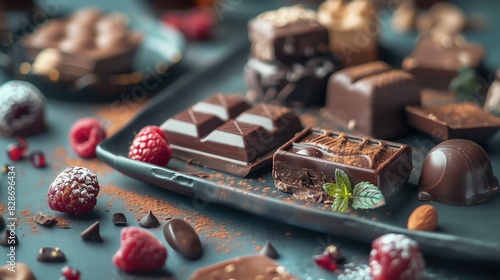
(364, 195)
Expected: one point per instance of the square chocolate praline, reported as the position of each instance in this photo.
(369, 99)
(435, 63)
(287, 34)
(310, 159)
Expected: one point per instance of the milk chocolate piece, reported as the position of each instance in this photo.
(119, 219)
(149, 221)
(454, 121)
(44, 219)
(9, 238)
(436, 59)
(369, 99)
(294, 84)
(183, 239)
(269, 250)
(225, 133)
(51, 255)
(310, 159)
(287, 34)
(22, 272)
(350, 25)
(457, 172)
(248, 267)
(92, 233)
(85, 43)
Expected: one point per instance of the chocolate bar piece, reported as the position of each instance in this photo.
(85, 43)
(225, 133)
(287, 34)
(454, 121)
(297, 84)
(436, 59)
(247, 267)
(370, 99)
(310, 159)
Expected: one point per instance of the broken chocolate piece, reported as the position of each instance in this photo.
(9, 238)
(149, 221)
(51, 255)
(119, 219)
(44, 219)
(92, 233)
(183, 239)
(269, 251)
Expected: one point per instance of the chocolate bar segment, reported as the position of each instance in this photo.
(454, 121)
(229, 134)
(310, 159)
(287, 34)
(369, 99)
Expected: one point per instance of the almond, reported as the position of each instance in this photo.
(423, 218)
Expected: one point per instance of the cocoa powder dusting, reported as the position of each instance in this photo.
(2, 208)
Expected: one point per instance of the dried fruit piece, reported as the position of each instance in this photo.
(424, 218)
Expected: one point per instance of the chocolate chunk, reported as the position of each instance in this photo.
(385, 164)
(92, 233)
(436, 59)
(248, 267)
(149, 221)
(369, 99)
(457, 172)
(224, 133)
(119, 219)
(269, 251)
(2, 222)
(22, 272)
(50, 255)
(454, 121)
(183, 239)
(287, 34)
(9, 238)
(44, 219)
(294, 84)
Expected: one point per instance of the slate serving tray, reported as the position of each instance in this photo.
(468, 233)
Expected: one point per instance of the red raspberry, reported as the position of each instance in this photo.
(197, 24)
(70, 273)
(395, 256)
(139, 250)
(150, 145)
(74, 191)
(85, 135)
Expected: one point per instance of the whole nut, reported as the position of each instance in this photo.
(423, 218)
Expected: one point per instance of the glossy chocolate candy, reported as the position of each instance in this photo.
(183, 238)
(287, 34)
(310, 159)
(369, 99)
(225, 133)
(457, 172)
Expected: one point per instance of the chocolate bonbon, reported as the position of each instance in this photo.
(248, 267)
(457, 172)
(310, 159)
(438, 57)
(183, 239)
(297, 84)
(92, 233)
(85, 43)
(225, 133)
(287, 34)
(369, 99)
(454, 121)
(51, 255)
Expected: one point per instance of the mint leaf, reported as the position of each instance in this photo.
(332, 189)
(343, 181)
(367, 196)
(340, 204)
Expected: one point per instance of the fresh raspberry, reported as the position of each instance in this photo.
(74, 191)
(85, 135)
(195, 24)
(70, 273)
(173, 19)
(395, 256)
(139, 250)
(150, 145)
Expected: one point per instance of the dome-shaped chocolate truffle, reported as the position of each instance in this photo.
(457, 172)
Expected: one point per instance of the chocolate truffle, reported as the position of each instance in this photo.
(297, 84)
(369, 99)
(22, 109)
(457, 172)
(287, 34)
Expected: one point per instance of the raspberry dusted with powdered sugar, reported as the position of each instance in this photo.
(74, 191)
(395, 256)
